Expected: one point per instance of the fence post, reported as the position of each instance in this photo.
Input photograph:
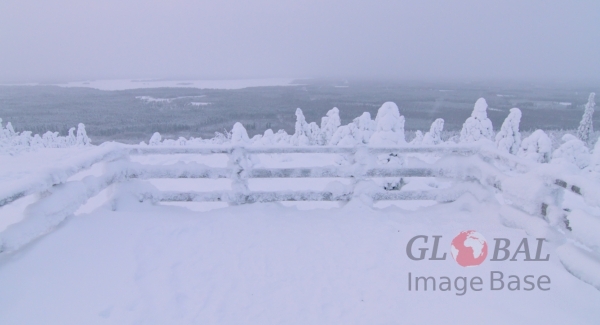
(240, 166)
(363, 159)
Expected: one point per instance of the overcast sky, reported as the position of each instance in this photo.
(69, 40)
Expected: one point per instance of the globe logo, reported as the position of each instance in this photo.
(469, 248)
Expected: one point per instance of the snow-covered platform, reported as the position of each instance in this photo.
(271, 264)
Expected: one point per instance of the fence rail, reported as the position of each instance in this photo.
(474, 169)
(480, 171)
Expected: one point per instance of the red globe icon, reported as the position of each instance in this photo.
(469, 248)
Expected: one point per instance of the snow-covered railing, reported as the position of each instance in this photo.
(60, 198)
(443, 150)
(57, 175)
(240, 170)
(475, 169)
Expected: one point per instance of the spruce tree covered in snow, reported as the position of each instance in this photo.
(16, 141)
(359, 131)
(2, 130)
(10, 131)
(302, 130)
(595, 161)
(82, 138)
(71, 138)
(418, 138)
(314, 133)
(51, 140)
(509, 137)
(478, 126)
(239, 136)
(536, 147)
(572, 151)
(329, 125)
(220, 138)
(37, 142)
(365, 127)
(266, 139)
(586, 126)
(389, 129)
(344, 136)
(272, 139)
(155, 139)
(281, 137)
(434, 136)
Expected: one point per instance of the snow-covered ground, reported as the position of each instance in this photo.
(270, 264)
(266, 263)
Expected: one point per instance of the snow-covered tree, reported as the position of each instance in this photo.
(359, 131)
(365, 127)
(572, 151)
(478, 126)
(82, 138)
(219, 138)
(389, 129)
(71, 138)
(50, 139)
(329, 125)
(37, 142)
(595, 163)
(536, 147)
(10, 131)
(345, 136)
(181, 141)
(434, 136)
(281, 137)
(266, 139)
(418, 138)
(155, 139)
(239, 136)
(314, 133)
(509, 137)
(302, 130)
(2, 131)
(585, 130)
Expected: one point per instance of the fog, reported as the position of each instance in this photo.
(66, 40)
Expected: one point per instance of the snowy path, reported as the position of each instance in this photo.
(270, 264)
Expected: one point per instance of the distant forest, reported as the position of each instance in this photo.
(132, 116)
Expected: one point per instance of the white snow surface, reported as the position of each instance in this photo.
(266, 264)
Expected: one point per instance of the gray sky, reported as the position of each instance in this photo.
(49, 40)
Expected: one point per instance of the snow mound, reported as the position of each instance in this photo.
(585, 228)
(580, 263)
